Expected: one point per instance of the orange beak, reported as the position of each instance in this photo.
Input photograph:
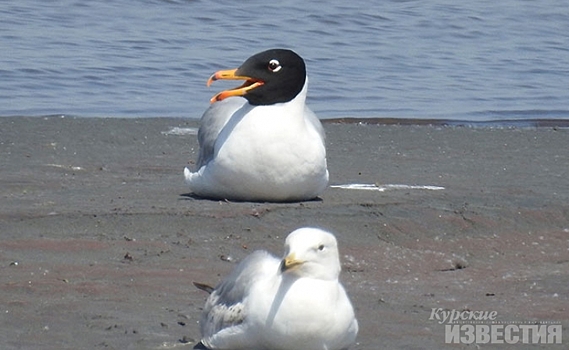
(231, 74)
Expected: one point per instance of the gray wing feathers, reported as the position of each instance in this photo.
(225, 306)
(212, 122)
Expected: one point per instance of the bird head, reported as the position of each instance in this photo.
(272, 76)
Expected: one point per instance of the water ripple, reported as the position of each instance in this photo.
(404, 59)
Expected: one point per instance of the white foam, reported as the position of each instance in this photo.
(181, 131)
(387, 187)
(72, 167)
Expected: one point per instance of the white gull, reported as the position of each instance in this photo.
(294, 303)
(267, 146)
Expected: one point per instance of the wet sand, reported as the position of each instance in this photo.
(100, 241)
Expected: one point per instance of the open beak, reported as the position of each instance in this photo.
(290, 262)
(231, 74)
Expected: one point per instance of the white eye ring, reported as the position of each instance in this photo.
(274, 65)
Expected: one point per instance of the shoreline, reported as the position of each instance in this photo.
(100, 243)
(445, 122)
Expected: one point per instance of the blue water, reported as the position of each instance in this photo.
(476, 60)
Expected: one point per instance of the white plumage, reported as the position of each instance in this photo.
(261, 150)
(296, 303)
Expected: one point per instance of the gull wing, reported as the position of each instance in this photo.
(225, 310)
(212, 122)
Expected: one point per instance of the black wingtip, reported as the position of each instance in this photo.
(205, 287)
(200, 346)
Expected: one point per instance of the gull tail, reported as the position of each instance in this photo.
(200, 346)
(205, 287)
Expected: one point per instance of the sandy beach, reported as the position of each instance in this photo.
(100, 240)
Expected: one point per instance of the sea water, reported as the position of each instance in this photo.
(440, 59)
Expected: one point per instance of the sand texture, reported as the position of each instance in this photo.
(100, 241)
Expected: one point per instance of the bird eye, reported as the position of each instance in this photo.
(274, 66)
(321, 247)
